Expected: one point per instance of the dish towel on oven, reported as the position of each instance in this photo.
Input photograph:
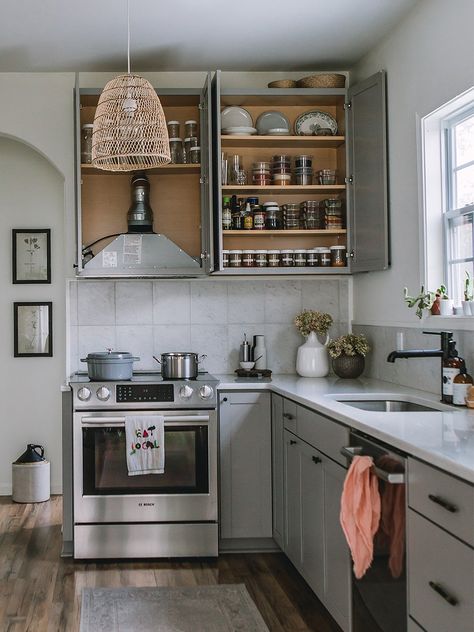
(145, 444)
(360, 512)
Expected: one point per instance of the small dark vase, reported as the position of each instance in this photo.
(348, 366)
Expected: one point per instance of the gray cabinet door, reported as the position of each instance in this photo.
(207, 236)
(277, 470)
(245, 465)
(293, 498)
(217, 166)
(367, 161)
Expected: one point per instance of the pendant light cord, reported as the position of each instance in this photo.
(128, 36)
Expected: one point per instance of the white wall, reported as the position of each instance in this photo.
(36, 190)
(429, 60)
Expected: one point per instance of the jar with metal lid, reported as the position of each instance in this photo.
(247, 217)
(190, 128)
(273, 258)
(235, 258)
(225, 258)
(324, 257)
(173, 129)
(176, 151)
(261, 258)
(312, 258)
(86, 144)
(300, 258)
(248, 258)
(272, 218)
(287, 258)
(189, 142)
(338, 256)
(258, 218)
(195, 155)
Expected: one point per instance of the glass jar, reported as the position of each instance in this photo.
(173, 129)
(338, 256)
(324, 257)
(273, 258)
(235, 258)
(176, 151)
(189, 142)
(303, 160)
(272, 218)
(226, 214)
(247, 217)
(241, 177)
(312, 258)
(287, 258)
(281, 179)
(195, 155)
(86, 144)
(259, 219)
(190, 128)
(248, 258)
(300, 258)
(261, 258)
(225, 258)
(327, 176)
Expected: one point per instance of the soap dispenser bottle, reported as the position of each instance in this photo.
(245, 350)
(452, 366)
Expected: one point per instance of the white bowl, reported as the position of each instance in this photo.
(247, 366)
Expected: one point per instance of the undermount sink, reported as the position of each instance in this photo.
(388, 405)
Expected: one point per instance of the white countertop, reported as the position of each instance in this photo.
(444, 439)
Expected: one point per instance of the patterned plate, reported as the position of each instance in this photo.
(308, 123)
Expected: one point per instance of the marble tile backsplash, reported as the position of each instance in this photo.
(421, 373)
(152, 317)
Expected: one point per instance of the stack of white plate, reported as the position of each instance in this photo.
(273, 123)
(235, 120)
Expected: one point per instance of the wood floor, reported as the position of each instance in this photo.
(40, 591)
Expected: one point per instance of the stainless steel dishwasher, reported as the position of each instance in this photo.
(379, 599)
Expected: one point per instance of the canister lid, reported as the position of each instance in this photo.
(190, 121)
(172, 123)
(87, 125)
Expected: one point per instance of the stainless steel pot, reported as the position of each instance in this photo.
(180, 365)
(109, 366)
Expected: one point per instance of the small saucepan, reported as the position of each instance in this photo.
(180, 365)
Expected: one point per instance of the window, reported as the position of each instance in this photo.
(458, 158)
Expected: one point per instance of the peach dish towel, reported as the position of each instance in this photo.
(360, 512)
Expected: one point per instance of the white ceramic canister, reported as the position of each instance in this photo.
(31, 482)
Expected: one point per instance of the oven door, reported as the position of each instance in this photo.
(104, 492)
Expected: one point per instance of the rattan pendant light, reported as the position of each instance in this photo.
(129, 130)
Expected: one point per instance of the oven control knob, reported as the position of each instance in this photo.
(185, 392)
(206, 392)
(84, 394)
(103, 393)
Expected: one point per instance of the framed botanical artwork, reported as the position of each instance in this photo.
(33, 330)
(31, 248)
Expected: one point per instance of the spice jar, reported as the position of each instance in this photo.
(300, 258)
(338, 256)
(248, 258)
(272, 218)
(86, 144)
(281, 179)
(324, 257)
(312, 258)
(189, 142)
(273, 258)
(235, 258)
(173, 129)
(225, 258)
(287, 258)
(195, 155)
(259, 218)
(190, 128)
(261, 258)
(247, 217)
(176, 151)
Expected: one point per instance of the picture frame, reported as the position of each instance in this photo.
(31, 254)
(33, 329)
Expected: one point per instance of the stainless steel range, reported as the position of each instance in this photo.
(153, 515)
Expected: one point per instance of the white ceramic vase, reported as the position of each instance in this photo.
(446, 305)
(312, 358)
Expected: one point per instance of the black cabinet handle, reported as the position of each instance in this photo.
(288, 416)
(445, 595)
(292, 442)
(443, 503)
(316, 459)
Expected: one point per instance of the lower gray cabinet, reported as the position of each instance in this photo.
(245, 465)
(292, 487)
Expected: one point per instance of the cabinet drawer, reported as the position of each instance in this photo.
(325, 434)
(439, 563)
(289, 415)
(442, 498)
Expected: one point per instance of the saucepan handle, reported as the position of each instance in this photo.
(155, 358)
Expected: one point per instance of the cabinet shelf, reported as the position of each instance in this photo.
(270, 233)
(282, 141)
(291, 188)
(88, 169)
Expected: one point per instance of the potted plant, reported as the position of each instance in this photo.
(467, 303)
(312, 359)
(348, 355)
(445, 303)
(424, 300)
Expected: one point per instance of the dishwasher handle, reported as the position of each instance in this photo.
(395, 478)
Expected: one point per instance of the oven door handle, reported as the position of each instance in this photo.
(396, 478)
(119, 422)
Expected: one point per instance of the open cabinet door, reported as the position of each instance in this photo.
(217, 166)
(368, 177)
(206, 177)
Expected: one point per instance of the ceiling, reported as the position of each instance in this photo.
(66, 35)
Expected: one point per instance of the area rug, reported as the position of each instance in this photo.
(224, 608)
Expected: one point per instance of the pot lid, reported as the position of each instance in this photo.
(31, 454)
(179, 354)
(109, 355)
